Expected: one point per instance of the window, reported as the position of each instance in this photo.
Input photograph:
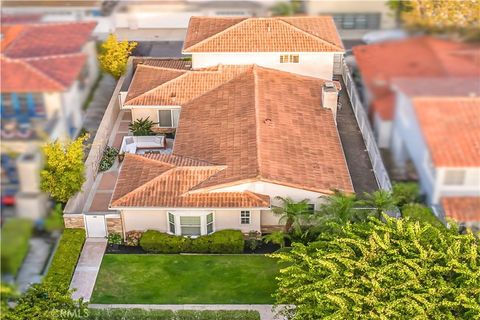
(289, 58)
(357, 20)
(165, 118)
(171, 222)
(190, 226)
(209, 223)
(7, 106)
(244, 217)
(284, 58)
(454, 178)
(294, 58)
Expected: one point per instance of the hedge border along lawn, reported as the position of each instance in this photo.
(65, 260)
(186, 279)
(14, 244)
(140, 314)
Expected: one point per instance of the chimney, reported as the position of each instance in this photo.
(330, 97)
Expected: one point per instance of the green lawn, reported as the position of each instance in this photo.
(15, 235)
(186, 279)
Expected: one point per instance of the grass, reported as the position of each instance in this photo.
(419, 212)
(94, 88)
(14, 244)
(186, 279)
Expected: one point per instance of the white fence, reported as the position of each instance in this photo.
(379, 170)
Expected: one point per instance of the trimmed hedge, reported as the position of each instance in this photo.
(66, 257)
(224, 241)
(138, 314)
(14, 244)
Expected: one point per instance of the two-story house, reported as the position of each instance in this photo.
(47, 71)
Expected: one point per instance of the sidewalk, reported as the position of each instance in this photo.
(265, 310)
(32, 267)
(87, 269)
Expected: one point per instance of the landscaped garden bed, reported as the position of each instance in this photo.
(115, 314)
(186, 279)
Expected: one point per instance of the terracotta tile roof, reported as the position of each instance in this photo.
(40, 40)
(163, 63)
(383, 106)
(167, 184)
(451, 128)
(173, 87)
(275, 34)
(265, 125)
(465, 86)
(462, 209)
(416, 57)
(42, 57)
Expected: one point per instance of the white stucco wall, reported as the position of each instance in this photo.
(156, 219)
(470, 186)
(314, 64)
(383, 131)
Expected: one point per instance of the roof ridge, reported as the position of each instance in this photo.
(257, 120)
(216, 34)
(253, 194)
(56, 56)
(142, 65)
(282, 19)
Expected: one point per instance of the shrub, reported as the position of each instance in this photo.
(225, 241)
(142, 127)
(422, 214)
(14, 244)
(66, 257)
(405, 192)
(108, 158)
(54, 222)
(132, 238)
(114, 238)
(110, 314)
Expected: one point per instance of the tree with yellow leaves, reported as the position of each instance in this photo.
(63, 174)
(114, 55)
(435, 16)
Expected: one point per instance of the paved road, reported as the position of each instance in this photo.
(87, 268)
(265, 310)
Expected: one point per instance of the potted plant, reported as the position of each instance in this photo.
(114, 240)
(142, 127)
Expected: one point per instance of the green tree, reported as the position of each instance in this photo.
(291, 213)
(277, 237)
(380, 201)
(405, 192)
(286, 8)
(391, 269)
(47, 302)
(63, 174)
(114, 55)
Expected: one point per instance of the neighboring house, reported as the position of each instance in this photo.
(242, 137)
(168, 20)
(47, 71)
(463, 209)
(415, 58)
(305, 45)
(354, 18)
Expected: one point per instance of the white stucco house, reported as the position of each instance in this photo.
(305, 45)
(47, 73)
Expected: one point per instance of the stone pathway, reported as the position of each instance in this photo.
(34, 264)
(87, 268)
(265, 310)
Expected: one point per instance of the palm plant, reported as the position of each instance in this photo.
(142, 127)
(380, 202)
(277, 237)
(292, 213)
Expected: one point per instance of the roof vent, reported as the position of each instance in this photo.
(268, 122)
(173, 95)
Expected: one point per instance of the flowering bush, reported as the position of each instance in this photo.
(132, 238)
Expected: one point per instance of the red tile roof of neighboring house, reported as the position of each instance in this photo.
(451, 128)
(275, 34)
(416, 57)
(462, 209)
(165, 181)
(465, 86)
(42, 57)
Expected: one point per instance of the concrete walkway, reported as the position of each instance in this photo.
(265, 310)
(87, 269)
(35, 261)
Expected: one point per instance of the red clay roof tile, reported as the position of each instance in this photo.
(462, 209)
